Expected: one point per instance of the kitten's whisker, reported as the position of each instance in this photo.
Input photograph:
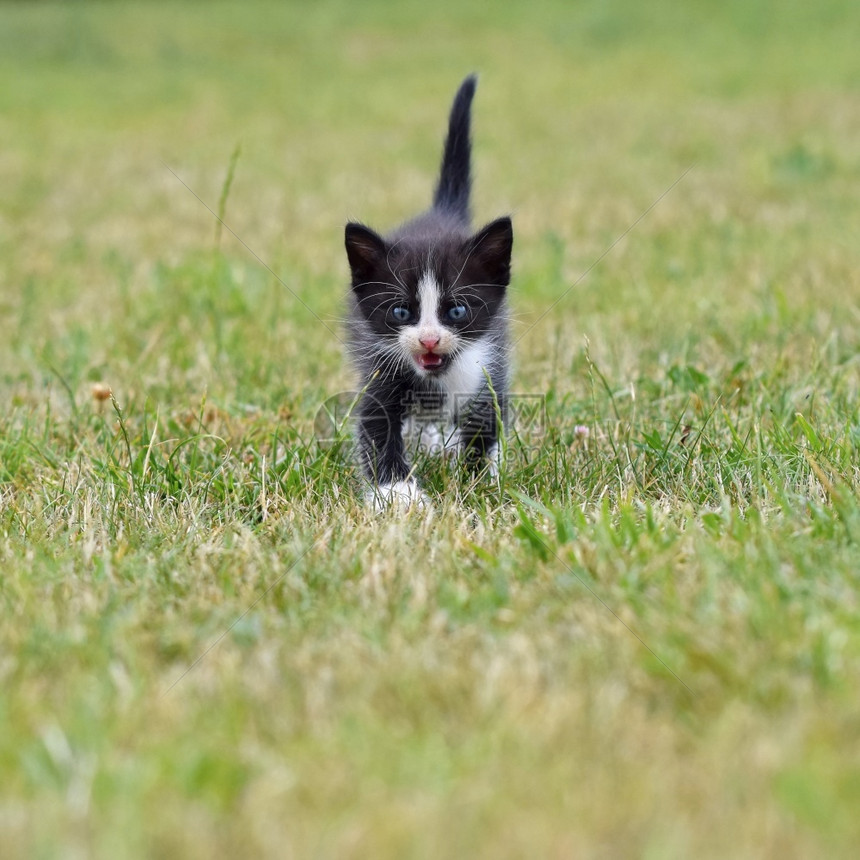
(382, 302)
(398, 289)
(465, 263)
(388, 263)
(476, 298)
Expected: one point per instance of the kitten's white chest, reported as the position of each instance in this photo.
(432, 427)
(466, 376)
(425, 435)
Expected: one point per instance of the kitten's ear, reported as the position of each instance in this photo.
(365, 250)
(490, 248)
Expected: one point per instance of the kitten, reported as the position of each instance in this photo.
(428, 323)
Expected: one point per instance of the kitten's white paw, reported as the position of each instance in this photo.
(403, 495)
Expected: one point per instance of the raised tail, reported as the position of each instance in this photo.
(455, 175)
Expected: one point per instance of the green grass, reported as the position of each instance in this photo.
(641, 643)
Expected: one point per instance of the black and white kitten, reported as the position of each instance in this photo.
(428, 323)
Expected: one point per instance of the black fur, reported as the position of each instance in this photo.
(455, 173)
(467, 272)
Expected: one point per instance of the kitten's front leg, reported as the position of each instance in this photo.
(479, 433)
(380, 439)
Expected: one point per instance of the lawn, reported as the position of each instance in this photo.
(642, 641)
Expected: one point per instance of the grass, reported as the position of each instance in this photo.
(644, 641)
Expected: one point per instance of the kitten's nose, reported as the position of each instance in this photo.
(429, 342)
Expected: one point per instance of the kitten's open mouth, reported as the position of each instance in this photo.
(431, 361)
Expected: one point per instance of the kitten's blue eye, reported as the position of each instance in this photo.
(400, 313)
(458, 312)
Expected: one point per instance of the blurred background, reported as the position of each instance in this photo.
(684, 182)
(587, 112)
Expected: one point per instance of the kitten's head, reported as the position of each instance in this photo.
(425, 297)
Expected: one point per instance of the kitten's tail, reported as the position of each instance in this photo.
(455, 180)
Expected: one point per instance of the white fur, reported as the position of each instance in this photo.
(465, 377)
(428, 300)
(422, 436)
(402, 495)
(428, 327)
(429, 437)
(494, 461)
